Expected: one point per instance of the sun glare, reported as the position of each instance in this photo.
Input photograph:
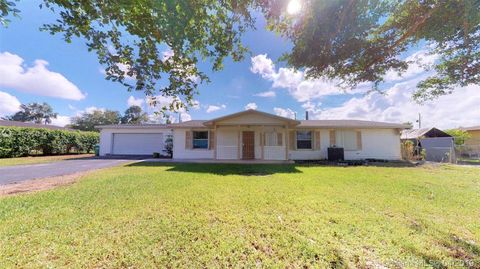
(294, 7)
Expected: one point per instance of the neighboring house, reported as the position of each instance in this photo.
(439, 146)
(11, 123)
(472, 145)
(474, 132)
(256, 135)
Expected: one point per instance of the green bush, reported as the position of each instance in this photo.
(20, 141)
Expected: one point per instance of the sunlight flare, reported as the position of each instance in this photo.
(294, 7)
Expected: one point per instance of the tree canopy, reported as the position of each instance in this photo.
(150, 45)
(155, 46)
(358, 41)
(459, 136)
(134, 115)
(34, 112)
(88, 120)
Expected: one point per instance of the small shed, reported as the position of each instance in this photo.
(439, 146)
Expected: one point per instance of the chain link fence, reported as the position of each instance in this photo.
(468, 153)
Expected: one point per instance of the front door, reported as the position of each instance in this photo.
(248, 146)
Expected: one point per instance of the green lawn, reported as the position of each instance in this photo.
(40, 159)
(199, 215)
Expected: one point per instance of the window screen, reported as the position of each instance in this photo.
(200, 139)
(304, 139)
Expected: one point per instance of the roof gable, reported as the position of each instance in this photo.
(251, 117)
(424, 132)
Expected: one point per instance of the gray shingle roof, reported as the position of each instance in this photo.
(303, 124)
(350, 124)
(471, 128)
(30, 125)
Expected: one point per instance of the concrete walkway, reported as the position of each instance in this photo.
(19, 173)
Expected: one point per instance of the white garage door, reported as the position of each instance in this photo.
(137, 144)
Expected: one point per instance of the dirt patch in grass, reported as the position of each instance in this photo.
(42, 159)
(42, 184)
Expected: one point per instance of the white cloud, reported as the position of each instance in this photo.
(395, 105)
(418, 61)
(132, 101)
(185, 116)
(90, 109)
(287, 113)
(167, 54)
(36, 79)
(123, 67)
(461, 108)
(251, 106)
(301, 88)
(213, 108)
(196, 104)
(157, 102)
(9, 104)
(263, 65)
(266, 94)
(61, 121)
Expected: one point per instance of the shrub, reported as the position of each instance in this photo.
(20, 141)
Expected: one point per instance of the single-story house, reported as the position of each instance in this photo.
(255, 135)
(474, 132)
(439, 146)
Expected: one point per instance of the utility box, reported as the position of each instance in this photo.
(335, 154)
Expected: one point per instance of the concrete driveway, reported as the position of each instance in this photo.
(19, 173)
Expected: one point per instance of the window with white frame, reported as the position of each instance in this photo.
(304, 139)
(347, 139)
(200, 139)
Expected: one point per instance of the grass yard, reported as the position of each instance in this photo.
(205, 215)
(40, 159)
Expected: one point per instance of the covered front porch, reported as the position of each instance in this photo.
(247, 142)
(251, 135)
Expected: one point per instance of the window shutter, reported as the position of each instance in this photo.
(279, 139)
(291, 138)
(359, 140)
(317, 140)
(188, 140)
(333, 139)
(211, 140)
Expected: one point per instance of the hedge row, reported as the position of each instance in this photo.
(20, 141)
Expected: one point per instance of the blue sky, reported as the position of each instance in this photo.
(72, 82)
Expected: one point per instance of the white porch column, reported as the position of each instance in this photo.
(286, 141)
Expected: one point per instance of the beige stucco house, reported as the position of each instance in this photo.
(255, 135)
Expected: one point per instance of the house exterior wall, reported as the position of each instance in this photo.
(106, 136)
(312, 154)
(376, 144)
(227, 143)
(180, 152)
(474, 140)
